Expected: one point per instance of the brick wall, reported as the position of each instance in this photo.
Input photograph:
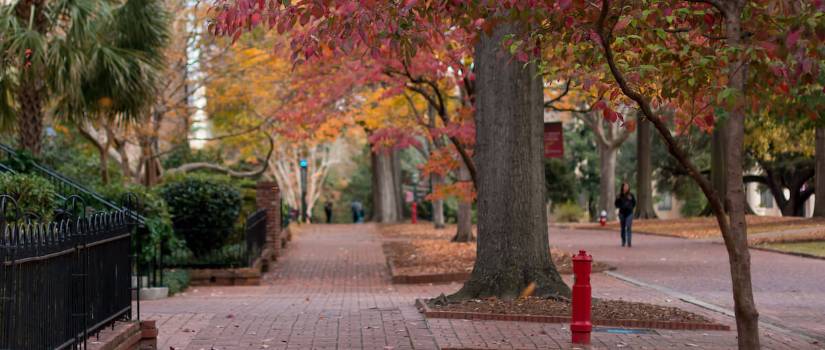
(268, 197)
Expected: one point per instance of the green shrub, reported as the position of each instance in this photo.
(568, 212)
(203, 208)
(176, 279)
(33, 194)
(158, 220)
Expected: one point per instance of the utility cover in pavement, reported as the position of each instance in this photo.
(624, 330)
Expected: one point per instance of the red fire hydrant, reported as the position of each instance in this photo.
(603, 218)
(580, 325)
(414, 212)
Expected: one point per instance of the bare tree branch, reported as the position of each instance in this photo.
(220, 168)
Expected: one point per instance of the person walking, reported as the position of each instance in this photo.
(328, 211)
(626, 202)
(357, 211)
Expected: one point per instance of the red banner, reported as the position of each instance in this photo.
(553, 140)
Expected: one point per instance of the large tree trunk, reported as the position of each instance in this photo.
(513, 251)
(819, 182)
(384, 193)
(747, 318)
(644, 170)
(607, 180)
(464, 227)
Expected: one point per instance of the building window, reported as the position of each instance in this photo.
(665, 202)
(765, 199)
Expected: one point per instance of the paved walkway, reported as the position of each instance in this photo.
(331, 291)
(789, 290)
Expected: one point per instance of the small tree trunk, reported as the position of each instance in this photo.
(607, 180)
(395, 156)
(385, 194)
(30, 120)
(376, 193)
(819, 181)
(644, 170)
(32, 89)
(718, 149)
(747, 318)
(513, 251)
(438, 204)
(151, 170)
(464, 227)
(104, 165)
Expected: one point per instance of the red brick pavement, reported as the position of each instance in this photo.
(331, 291)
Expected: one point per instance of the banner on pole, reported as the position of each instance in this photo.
(553, 140)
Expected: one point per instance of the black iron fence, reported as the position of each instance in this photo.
(255, 230)
(65, 280)
(64, 186)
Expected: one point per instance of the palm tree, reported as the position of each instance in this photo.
(81, 59)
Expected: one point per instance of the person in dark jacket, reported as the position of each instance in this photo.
(328, 211)
(626, 202)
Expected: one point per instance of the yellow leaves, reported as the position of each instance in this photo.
(767, 137)
(380, 111)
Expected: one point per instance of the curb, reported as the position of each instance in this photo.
(611, 229)
(801, 255)
(425, 278)
(447, 277)
(423, 308)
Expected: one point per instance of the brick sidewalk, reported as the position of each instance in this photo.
(789, 290)
(331, 291)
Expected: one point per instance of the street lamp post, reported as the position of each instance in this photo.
(304, 214)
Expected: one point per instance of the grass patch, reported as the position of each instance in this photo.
(815, 248)
(706, 227)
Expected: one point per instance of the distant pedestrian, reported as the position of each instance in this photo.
(328, 211)
(626, 202)
(357, 211)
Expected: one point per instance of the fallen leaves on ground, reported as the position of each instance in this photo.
(418, 231)
(816, 235)
(602, 309)
(436, 256)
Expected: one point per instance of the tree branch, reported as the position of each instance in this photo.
(673, 147)
(220, 168)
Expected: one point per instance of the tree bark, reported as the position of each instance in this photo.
(438, 204)
(384, 192)
(513, 251)
(718, 149)
(32, 90)
(436, 179)
(151, 171)
(644, 172)
(464, 227)
(747, 318)
(607, 180)
(396, 184)
(819, 182)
